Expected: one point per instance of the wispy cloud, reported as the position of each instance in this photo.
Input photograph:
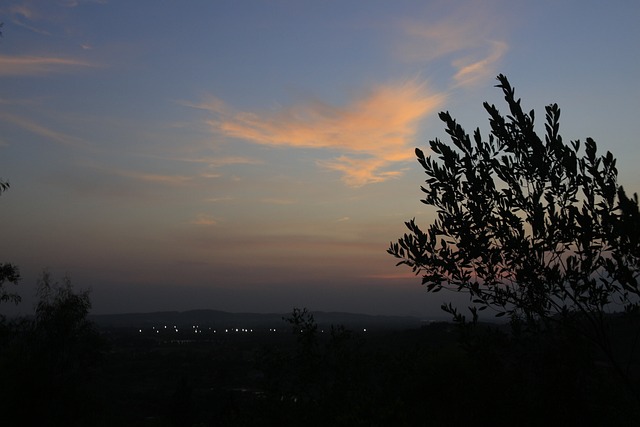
(172, 180)
(76, 3)
(210, 175)
(274, 201)
(467, 38)
(23, 15)
(218, 199)
(35, 15)
(221, 161)
(373, 133)
(429, 41)
(358, 172)
(42, 130)
(37, 65)
(204, 219)
(473, 70)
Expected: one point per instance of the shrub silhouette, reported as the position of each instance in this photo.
(48, 361)
(530, 227)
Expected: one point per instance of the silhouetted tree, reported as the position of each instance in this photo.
(530, 227)
(48, 361)
(8, 272)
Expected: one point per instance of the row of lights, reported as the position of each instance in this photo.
(196, 329)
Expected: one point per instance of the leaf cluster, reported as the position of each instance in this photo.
(9, 273)
(531, 227)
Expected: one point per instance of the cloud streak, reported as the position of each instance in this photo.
(41, 130)
(466, 37)
(216, 162)
(204, 220)
(171, 180)
(372, 134)
(37, 65)
(471, 71)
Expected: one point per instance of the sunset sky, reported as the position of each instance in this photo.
(258, 155)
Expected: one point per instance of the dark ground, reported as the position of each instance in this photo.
(435, 375)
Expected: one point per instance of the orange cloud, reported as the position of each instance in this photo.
(378, 128)
(36, 65)
(204, 219)
(358, 172)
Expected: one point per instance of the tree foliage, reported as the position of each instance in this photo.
(48, 361)
(529, 226)
(9, 273)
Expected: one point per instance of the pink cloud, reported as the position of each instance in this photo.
(374, 132)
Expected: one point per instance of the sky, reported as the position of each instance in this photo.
(255, 156)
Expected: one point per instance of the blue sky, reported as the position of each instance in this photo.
(255, 156)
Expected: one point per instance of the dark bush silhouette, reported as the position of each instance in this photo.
(530, 227)
(48, 361)
(8, 272)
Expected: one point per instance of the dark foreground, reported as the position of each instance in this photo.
(435, 375)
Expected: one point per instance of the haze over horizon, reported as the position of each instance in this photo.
(256, 156)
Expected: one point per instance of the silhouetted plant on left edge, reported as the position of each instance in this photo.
(8, 272)
(49, 361)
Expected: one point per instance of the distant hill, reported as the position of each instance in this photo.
(216, 318)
